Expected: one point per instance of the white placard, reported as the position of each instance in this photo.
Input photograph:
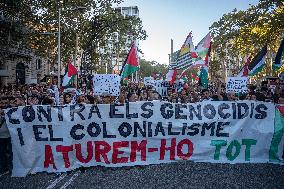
(161, 86)
(106, 84)
(148, 81)
(236, 84)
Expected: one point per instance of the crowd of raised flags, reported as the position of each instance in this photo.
(190, 56)
(186, 58)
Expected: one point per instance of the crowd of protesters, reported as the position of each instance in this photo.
(48, 94)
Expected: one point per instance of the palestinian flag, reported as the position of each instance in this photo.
(171, 76)
(274, 151)
(244, 71)
(131, 63)
(70, 74)
(183, 77)
(279, 57)
(257, 62)
(203, 77)
(202, 47)
(201, 54)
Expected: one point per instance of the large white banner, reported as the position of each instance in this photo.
(58, 139)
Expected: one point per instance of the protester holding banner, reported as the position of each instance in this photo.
(5, 141)
(144, 95)
(108, 88)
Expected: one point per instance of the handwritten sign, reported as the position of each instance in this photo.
(236, 84)
(106, 84)
(148, 81)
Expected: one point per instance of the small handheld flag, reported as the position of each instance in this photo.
(279, 57)
(70, 74)
(131, 63)
(257, 62)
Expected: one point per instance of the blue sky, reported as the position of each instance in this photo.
(174, 19)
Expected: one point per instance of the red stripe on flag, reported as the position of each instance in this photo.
(281, 109)
(71, 70)
(132, 57)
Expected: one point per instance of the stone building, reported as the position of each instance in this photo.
(18, 65)
(21, 66)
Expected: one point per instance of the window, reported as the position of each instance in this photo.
(135, 10)
(38, 64)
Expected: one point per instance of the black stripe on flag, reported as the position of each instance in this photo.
(258, 58)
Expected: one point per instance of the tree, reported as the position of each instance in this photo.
(93, 25)
(149, 68)
(243, 33)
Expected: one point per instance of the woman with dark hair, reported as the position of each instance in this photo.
(144, 96)
(47, 101)
(90, 99)
(67, 98)
(81, 99)
(132, 97)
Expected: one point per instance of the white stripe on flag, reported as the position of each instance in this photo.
(252, 72)
(66, 80)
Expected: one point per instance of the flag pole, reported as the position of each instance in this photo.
(172, 49)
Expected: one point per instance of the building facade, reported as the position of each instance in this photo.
(18, 65)
(118, 59)
(21, 66)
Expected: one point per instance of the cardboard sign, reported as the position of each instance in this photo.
(106, 84)
(236, 84)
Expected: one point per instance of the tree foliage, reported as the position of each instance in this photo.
(91, 21)
(149, 68)
(243, 33)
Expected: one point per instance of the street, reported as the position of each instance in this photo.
(184, 174)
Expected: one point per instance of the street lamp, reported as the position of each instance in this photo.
(59, 58)
(59, 55)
